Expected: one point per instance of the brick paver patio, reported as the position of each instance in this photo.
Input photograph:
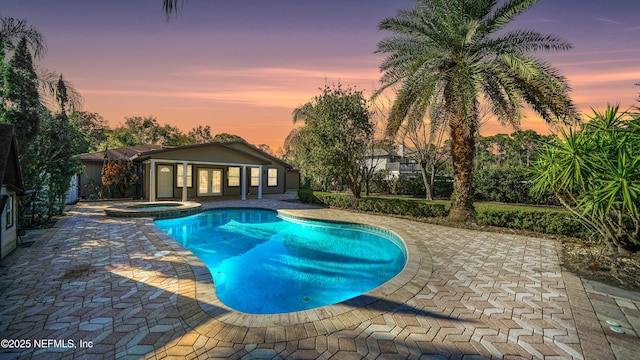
(122, 288)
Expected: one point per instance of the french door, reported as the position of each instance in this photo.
(209, 182)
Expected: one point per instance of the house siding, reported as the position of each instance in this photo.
(8, 237)
(293, 179)
(226, 189)
(90, 179)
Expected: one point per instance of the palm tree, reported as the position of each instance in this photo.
(456, 55)
(12, 31)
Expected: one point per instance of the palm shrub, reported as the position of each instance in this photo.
(595, 173)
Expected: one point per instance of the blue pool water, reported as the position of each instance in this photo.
(265, 263)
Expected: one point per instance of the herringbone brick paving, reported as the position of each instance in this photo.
(123, 285)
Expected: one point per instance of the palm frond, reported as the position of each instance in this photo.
(506, 13)
(522, 42)
(171, 7)
(47, 87)
(12, 30)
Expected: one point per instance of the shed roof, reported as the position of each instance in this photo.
(124, 153)
(10, 174)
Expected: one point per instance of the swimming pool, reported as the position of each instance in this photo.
(266, 263)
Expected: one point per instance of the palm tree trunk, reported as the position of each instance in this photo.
(462, 150)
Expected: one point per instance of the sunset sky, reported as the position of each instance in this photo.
(243, 66)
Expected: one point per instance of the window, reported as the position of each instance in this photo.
(234, 176)
(180, 176)
(9, 211)
(255, 176)
(272, 177)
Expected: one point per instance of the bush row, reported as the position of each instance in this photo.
(375, 204)
(542, 220)
(546, 221)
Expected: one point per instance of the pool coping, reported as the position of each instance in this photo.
(129, 209)
(392, 294)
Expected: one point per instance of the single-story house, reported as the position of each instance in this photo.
(196, 171)
(12, 186)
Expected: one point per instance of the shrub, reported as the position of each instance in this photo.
(443, 187)
(509, 185)
(308, 196)
(542, 220)
(595, 172)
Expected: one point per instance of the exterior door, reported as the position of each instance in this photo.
(165, 181)
(209, 182)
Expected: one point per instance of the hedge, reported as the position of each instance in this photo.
(542, 220)
(537, 219)
(510, 185)
(397, 206)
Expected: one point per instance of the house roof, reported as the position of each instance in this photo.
(125, 153)
(236, 146)
(246, 145)
(10, 174)
(382, 152)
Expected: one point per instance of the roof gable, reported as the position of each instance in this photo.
(211, 152)
(232, 152)
(245, 146)
(10, 174)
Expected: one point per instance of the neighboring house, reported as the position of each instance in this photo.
(196, 171)
(394, 161)
(12, 186)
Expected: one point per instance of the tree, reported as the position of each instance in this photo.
(266, 148)
(48, 87)
(225, 137)
(454, 54)
(21, 107)
(290, 147)
(118, 177)
(500, 151)
(200, 135)
(138, 130)
(484, 157)
(93, 128)
(333, 141)
(371, 162)
(20, 95)
(47, 143)
(595, 173)
(12, 31)
(59, 140)
(427, 140)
